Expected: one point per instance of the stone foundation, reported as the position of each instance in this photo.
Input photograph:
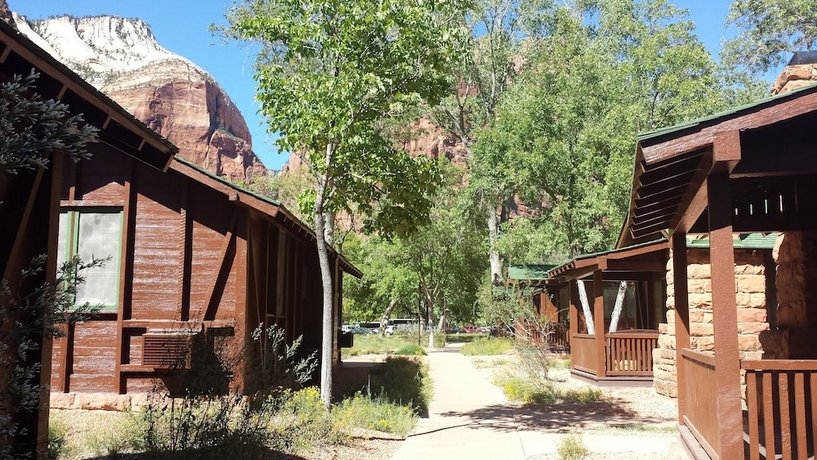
(99, 401)
(751, 282)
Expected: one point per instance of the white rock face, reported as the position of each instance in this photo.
(97, 47)
(173, 96)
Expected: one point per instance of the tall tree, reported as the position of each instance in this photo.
(329, 72)
(487, 63)
(769, 29)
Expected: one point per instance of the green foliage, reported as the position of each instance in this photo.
(571, 447)
(443, 259)
(487, 346)
(411, 349)
(330, 73)
(291, 189)
(57, 438)
(119, 435)
(404, 381)
(375, 344)
(374, 413)
(769, 29)
(534, 392)
(32, 127)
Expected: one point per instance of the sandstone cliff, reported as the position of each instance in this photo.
(170, 94)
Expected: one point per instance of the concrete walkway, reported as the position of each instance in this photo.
(470, 418)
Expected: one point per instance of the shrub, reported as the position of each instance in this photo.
(487, 346)
(375, 414)
(439, 340)
(403, 381)
(585, 395)
(57, 438)
(411, 349)
(572, 448)
(301, 422)
(115, 436)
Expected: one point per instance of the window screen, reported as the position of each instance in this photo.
(94, 234)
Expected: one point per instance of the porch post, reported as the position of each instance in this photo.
(724, 309)
(573, 310)
(679, 283)
(598, 324)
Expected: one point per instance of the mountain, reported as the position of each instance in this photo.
(175, 97)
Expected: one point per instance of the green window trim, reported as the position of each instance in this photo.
(72, 246)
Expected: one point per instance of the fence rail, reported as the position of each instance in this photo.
(629, 353)
(700, 388)
(781, 400)
(583, 353)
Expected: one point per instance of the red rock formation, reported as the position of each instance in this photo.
(188, 107)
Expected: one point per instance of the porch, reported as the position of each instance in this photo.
(751, 170)
(613, 303)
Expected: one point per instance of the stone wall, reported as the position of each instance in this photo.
(751, 281)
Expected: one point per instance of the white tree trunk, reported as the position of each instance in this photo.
(622, 289)
(328, 326)
(493, 237)
(384, 320)
(430, 326)
(588, 318)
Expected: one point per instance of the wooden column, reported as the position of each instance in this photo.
(725, 328)
(125, 276)
(679, 283)
(573, 313)
(598, 323)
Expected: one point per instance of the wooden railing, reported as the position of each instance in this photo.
(559, 338)
(583, 353)
(629, 353)
(700, 390)
(781, 400)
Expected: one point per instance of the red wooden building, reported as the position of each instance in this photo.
(29, 200)
(749, 170)
(608, 348)
(196, 264)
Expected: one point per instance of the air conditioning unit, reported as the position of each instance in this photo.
(162, 350)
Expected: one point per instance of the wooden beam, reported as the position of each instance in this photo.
(694, 201)
(185, 237)
(125, 275)
(681, 291)
(573, 313)
(241, 288)
(598, 322)
(227, 242)
(725, 321)
(696, 137)
(653, 266)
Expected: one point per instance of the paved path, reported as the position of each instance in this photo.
(469, 418)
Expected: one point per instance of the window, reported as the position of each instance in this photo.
(94, 233)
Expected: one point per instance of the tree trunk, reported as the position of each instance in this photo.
(384, 321)
(441, 326)
(321, 218)
(622, 289)
(430, 325)
(493, 237)
(329, 227)
(588, 318)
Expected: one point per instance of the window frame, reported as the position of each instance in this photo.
(72, 245)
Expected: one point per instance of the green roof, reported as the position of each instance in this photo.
(226, 182)
(744, 241)
(529, 272)
(725, 114)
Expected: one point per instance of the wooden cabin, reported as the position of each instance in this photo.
(196, 264)
(535, 277)
(29, 200)
(615, 301)
(749, 170)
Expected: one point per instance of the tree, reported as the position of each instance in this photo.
(32, 129)
(487, 63)
(769, 29)
(329, 72)
(565, 130)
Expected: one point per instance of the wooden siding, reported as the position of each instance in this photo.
(193, 259)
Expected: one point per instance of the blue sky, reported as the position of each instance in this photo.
(182, 27)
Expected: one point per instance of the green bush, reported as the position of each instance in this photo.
(411, 349)
(487, 346)
(572, 448)
(439, 340)
(374, 344)
(374, 414)
(528, 391)
(301, 422)
(115, 436)
(404, 381)
(464, 337)
(57, 438)
(585, 395)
